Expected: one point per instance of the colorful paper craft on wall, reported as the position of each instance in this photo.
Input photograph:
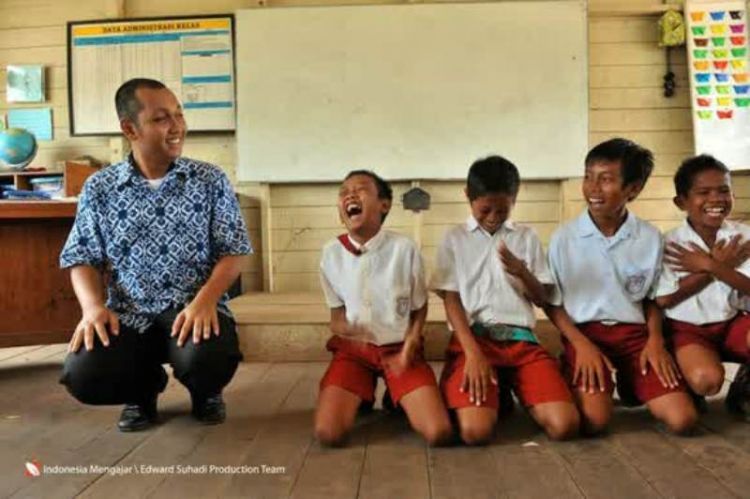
(713, 19)
(718, 52)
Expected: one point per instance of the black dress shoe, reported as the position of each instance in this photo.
(137, 417)
(209, 410)
(738, 396)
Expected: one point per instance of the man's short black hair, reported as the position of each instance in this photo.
(492, 175)
(636, 162)
(384, 188)
(691, 167)
(127, 103)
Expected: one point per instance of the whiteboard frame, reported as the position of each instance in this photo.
(135, 20)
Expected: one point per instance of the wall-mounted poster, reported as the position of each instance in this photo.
(25, 83)
(720, 79)
(193, 56)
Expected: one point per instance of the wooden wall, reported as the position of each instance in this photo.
(625, 77)
(33, 32)
(289, 223)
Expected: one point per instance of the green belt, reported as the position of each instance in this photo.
(501, 332)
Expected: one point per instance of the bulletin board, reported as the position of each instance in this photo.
(193, 56)
(720, 79)
(411, 91)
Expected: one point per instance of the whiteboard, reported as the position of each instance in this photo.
(411, 91)
(720, 79)
(193, 56)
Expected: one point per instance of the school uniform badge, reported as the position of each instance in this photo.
(635, 283)
(402, 306)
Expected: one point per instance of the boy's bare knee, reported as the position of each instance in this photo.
(562, 428)
(682, 422)
(559, 421)
(706, 381)
(437, 434)
(331, 433)
(476, 434)
(595, 422)
(329, 436)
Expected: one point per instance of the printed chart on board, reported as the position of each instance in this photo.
(194, 57)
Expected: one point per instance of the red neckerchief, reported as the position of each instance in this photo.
(347, 243)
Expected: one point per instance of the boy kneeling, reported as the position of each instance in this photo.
(374, 284)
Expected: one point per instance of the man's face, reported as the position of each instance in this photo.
(160, 131)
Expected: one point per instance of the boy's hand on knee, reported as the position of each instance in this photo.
(400, 362)
(199, 319)
(479, 377)
(94, 322)
(589, 372)
(655, 354)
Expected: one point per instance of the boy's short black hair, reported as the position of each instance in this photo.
(384, 188)
(126, 103)
(492, 175)
(683, 179)
(636, 162)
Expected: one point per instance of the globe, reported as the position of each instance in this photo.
(17, 148)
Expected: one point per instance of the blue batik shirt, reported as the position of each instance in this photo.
(160, 245)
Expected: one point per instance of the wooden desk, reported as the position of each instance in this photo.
(37, 303)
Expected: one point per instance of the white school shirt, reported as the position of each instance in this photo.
(716, 302)
(379, 288)
(468, 263)
(601, 278)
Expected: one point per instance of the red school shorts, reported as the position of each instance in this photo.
(728, 338)
(356, 366)
(534, 375)
(622, 344)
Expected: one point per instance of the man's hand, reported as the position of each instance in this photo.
(94, 322)
(199, 318)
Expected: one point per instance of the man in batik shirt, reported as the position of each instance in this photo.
(164, 235)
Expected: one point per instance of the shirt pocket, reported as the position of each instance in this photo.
(402, 305)
(636, 281)
(395, 307)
